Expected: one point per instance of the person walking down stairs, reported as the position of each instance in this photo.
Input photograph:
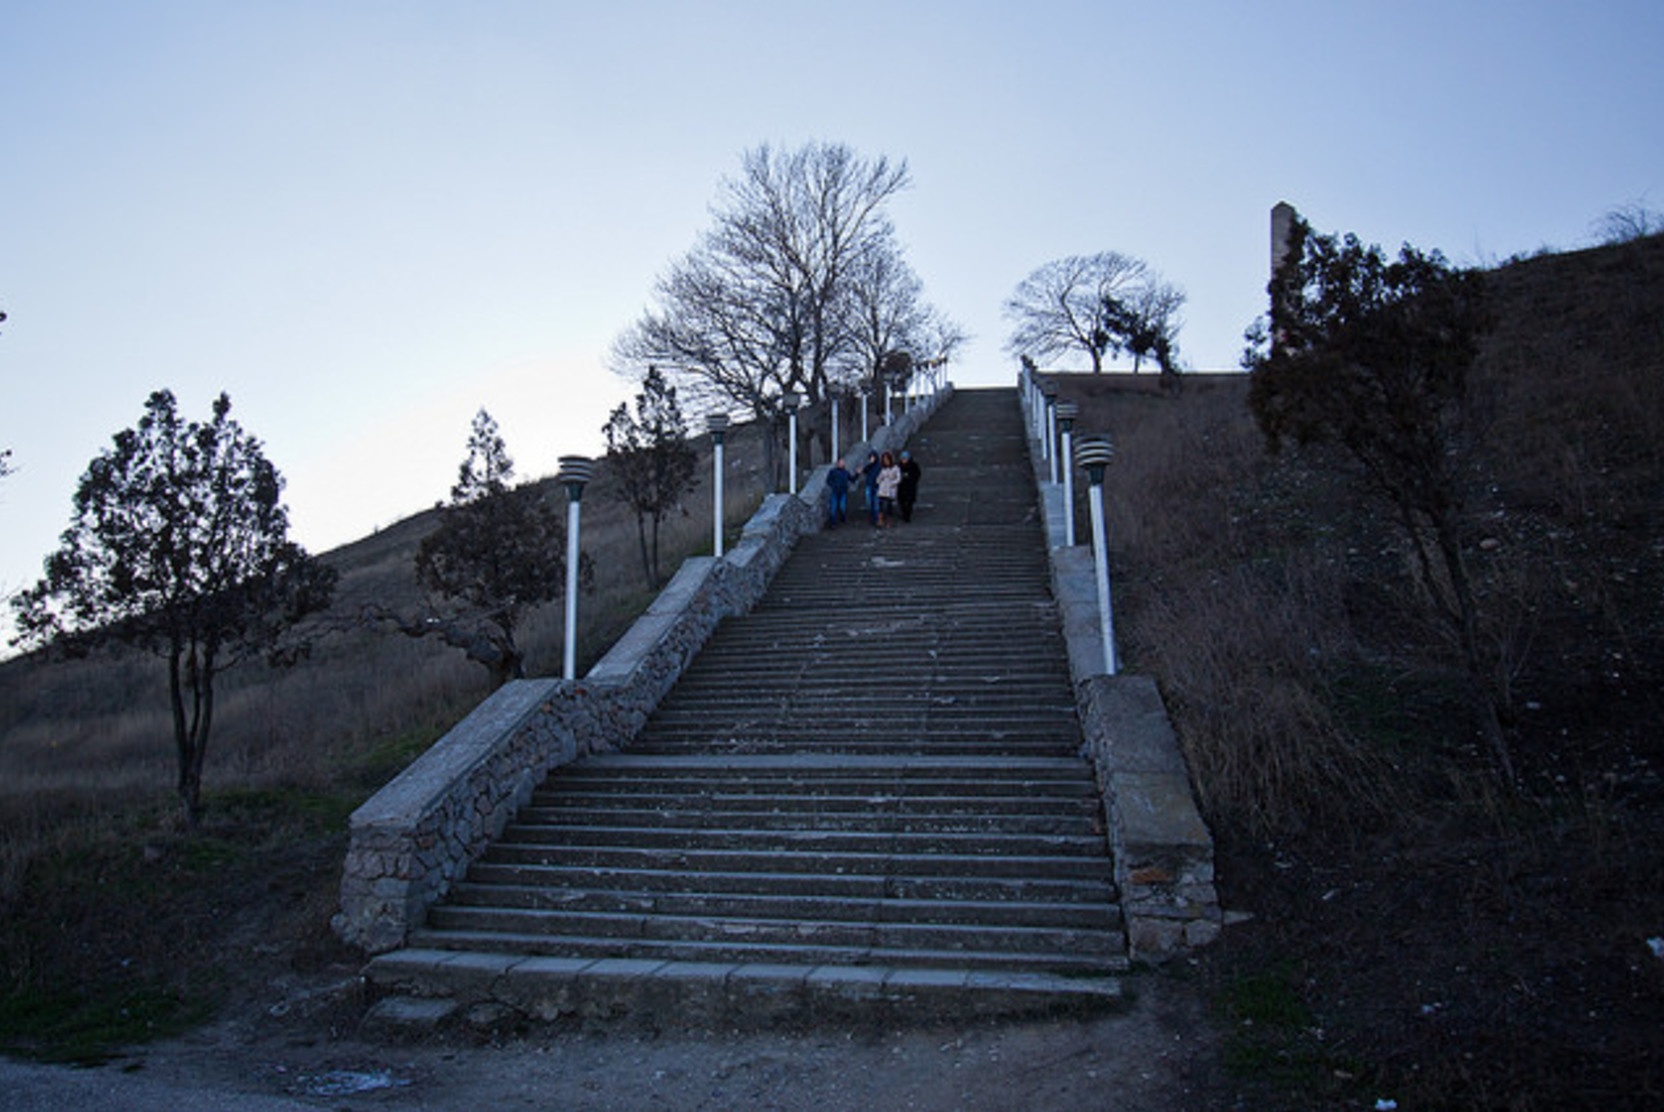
(889, 481)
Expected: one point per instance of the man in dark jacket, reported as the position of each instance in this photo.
(837, 494)
(908, 492)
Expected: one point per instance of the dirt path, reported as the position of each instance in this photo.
(1160, 1054)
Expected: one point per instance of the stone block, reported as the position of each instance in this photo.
(1156, 809)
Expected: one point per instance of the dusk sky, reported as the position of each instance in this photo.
(366, 219)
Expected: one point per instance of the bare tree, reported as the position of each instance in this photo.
(1631, 220)
(767, 303)
(891, 325)
(1067, 305)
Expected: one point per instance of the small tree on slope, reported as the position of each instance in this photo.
(498, 552)
(179, 546)
(1374, 356)
(653, 462)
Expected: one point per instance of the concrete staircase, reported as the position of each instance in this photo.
(864, 796)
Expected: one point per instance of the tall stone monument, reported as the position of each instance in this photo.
(1282, 223)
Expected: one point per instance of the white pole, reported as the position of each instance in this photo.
(791, 451)
(717, 515)
(835, 408)
(863, 416)
(1051, 434)
(1100, 560)
(1068, 489)
(717, 423)
(572, 516)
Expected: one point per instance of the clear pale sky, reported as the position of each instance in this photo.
(366, 219)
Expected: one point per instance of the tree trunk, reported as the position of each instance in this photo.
(655, 569)
(1483, 691)
(191, 726)
(648, 567)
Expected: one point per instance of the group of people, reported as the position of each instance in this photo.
(890, 482)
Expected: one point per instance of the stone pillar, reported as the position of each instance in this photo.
(1283, 216)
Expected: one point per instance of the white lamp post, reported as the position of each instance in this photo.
(864, 397)
(1094, 454)
(1037, 412)
(575, 471)
(791, 402)
(1066, 414)
(1049, 452)
(836, 401)
(718, 424)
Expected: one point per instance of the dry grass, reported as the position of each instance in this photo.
(80, 739)
(1241, 623)
(1430, 935)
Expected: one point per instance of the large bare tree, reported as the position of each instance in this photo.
(767, 302)
(1068, 306)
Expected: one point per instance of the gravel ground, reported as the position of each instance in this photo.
(1159, 1054)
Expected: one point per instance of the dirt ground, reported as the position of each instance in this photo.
(1160, 1053)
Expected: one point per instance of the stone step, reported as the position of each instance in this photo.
(900, 794)
(828, 907)
(802, 859)
(726, 805)
(868, 886)
(778, 743)
(878, 734)
(680, 840)
(792, 818)
(1101, 961)
(621, 931)
(732, 995)
(832, 769)
(855, 696)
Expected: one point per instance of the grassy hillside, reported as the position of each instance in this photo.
(87, 810)
(1419, 932)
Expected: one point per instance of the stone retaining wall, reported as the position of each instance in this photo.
(1161, 847)
(417, 836)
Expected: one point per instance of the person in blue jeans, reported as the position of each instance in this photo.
(837, 494)
(870, 474)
